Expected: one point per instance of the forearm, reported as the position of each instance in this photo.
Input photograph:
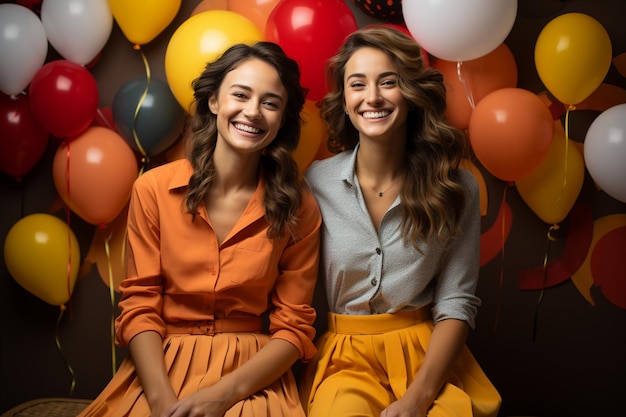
(447, 341)
(265, 367)
(147, 353)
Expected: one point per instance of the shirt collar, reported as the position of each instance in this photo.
(348, 172)
(181, 177)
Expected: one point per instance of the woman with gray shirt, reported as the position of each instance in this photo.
(400, 242)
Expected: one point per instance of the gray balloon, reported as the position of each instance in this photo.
(147, 115)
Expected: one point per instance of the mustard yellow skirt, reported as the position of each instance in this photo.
(366, 362)
(194, 362)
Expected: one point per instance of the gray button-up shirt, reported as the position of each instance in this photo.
(370, 272)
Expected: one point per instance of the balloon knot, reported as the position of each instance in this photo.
(63, 307)
(136, 47)
(102, 226)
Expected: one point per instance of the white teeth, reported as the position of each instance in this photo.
(375, 114)
(247, 128)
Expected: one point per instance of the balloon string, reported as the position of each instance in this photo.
(144, 154)
(58, 343)
(112, 297)
(503, 237)
(570, 108)
(545, 277)
(466, 87)
(67, 220)
(105, 119)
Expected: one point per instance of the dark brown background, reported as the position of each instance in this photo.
(574, 366)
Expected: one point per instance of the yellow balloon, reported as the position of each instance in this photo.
(142, 20)
(552, 188)
(199, 40)
(572, 55)
(310, 135)
(42, 254)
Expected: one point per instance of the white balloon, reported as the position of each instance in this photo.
(23, 47)
(77, 29)
(605, 151)
(459, 30)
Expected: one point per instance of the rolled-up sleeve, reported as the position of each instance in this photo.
(456, 283)
(141, 299)
(292, 316)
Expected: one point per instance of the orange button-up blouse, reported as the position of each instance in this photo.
(176, 271)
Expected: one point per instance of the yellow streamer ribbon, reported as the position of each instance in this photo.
(145, 159)
(58, 343)
(550, 239)
(112, 296)
(570, 108)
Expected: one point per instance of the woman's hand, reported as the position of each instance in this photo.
(404, 408)
(208, 402)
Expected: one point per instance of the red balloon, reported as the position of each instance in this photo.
(310, 31)
(511, 131)
(22, 140)
(608, 266)
(64, 98)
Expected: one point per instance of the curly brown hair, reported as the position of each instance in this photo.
(283, 179)
(432, 194)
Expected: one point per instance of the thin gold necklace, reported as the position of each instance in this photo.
(382, 193)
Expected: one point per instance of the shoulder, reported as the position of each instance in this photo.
(309, 210)
(467, 180)
(322, 171)
(169, 175)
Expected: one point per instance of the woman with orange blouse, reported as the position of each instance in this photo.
(216, 241)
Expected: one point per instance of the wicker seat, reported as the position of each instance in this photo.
(48, 407)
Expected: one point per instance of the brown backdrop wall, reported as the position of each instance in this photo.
(562, 357)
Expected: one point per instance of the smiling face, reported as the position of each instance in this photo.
(372, 97)
(249, 106)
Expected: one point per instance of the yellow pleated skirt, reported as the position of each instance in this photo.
(366, 362)
(194, 362)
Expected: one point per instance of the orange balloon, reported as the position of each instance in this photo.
(510, 132)
(206, 5)
(468, 82)
(257, 11)
(107, 251)
(94, 174)
(310, 135)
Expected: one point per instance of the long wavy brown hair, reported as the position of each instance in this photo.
(432, 194)
(282, 175)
